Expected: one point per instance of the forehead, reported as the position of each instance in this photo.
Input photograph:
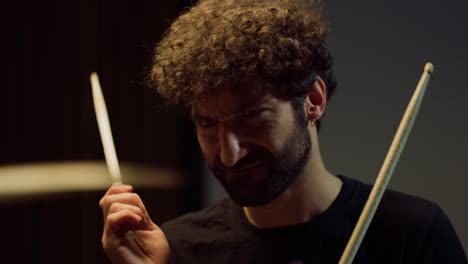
(223, 102)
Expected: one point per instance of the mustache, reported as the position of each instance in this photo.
(254, 155)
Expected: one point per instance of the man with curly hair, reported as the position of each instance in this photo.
(256, 77)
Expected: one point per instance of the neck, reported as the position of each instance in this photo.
(309, 196)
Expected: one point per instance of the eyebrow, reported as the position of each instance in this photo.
(240, 110)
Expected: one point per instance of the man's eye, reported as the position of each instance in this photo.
(253, 112)
(207, 123)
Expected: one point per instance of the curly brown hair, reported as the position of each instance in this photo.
(217, 43)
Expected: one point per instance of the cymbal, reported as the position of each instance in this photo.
(22, 180)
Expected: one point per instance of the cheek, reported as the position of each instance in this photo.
(277, 138)
(266, 142)
(274, 144)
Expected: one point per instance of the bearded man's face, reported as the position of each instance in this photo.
(253, 143)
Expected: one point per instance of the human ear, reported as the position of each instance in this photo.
(316, 100)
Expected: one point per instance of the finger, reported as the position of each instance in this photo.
(116, 207)
(116, 189)
(124, 198)
(145, 224)
(119, 188)
(122, 221)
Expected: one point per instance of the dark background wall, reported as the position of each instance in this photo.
(380, 49)
(48, 49)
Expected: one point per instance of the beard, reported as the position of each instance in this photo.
(273, 176)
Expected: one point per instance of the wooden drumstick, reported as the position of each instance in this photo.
(105, 130)
(106, 136)
(388, 167)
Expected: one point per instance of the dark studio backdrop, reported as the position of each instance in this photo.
(49, 48)
(381, 48)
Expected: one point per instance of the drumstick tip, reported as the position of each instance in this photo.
(429, 68)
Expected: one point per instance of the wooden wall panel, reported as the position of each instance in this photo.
(48, 48)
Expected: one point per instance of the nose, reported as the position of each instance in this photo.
(231, 150)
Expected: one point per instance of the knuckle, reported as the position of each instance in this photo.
(117, 217)
(133, 197)
(114, 207)
(126, 211)
(102, 202)
(111, 219)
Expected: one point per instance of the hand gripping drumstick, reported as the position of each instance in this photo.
(388, 166)
(106, 136)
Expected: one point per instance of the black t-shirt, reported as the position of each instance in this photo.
(405, 229)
